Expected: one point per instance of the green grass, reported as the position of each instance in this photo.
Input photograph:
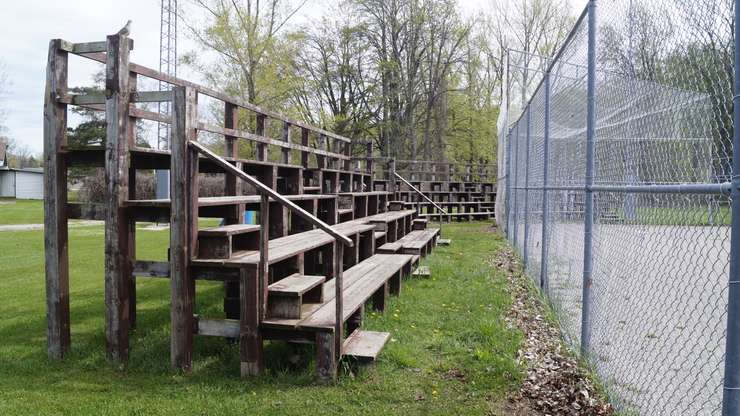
(21, 211)
(452, 321)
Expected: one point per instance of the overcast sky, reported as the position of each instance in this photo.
(29, 25)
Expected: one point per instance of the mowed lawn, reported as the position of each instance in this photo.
(21, 211)
(450, 351)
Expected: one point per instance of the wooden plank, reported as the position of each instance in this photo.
(56, 258)
(181, 312)
(422, 271)
(147, 268)
(261, 140)
(227, 230)
(227, 328)
(358, 293)
(250, 337)
(117, 224)
(365, 345)
(295, 284)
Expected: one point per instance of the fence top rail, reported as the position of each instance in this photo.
(432, 162)
(92, 51)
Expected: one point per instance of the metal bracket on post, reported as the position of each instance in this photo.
(588, 216)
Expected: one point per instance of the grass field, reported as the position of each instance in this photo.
(450, 351)
(21, 211)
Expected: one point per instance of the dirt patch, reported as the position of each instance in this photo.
(554, 383)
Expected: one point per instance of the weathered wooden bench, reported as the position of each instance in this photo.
(419, 242)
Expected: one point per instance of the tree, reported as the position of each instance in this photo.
(336, 81)
(251, 54)
(535, 28)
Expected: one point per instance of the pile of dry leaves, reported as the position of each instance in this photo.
(554, 385)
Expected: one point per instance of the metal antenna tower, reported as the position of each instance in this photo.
(167, 65)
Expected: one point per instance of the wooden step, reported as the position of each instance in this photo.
(420, 224)
(365, 345)
(287, 296)
(379, 234)
(422, 271)
(223, 241)
(227, 230)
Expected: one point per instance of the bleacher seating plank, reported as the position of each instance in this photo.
(365, 345)
(296, 284)
(386, 265)
(227, 230)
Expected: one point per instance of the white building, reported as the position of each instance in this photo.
(22, 183)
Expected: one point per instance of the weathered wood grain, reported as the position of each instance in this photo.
(117, 224)
(55, 204)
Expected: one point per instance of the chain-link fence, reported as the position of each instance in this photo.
(617, 193)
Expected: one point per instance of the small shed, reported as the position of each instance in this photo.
(25, 183)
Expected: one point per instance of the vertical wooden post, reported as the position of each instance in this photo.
(55, 204)
(304, 142)
(264, 264)
(320, 159)
(117, 162)
(250, 338)
(131, 132)
(370, 165)
(232, 187)
(183, 226)
(286, 138)
(338, 298)
(260, 131)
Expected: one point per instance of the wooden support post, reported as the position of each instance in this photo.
(355, 321)
(131, 132)
(232, 187)
(264, 262)
(326, 357)
(250, 337)
(380, 296)
(395, 283)
(183, 225)
(320, 159)
(304, 142)
(260, 131)
(279, 220)
(338, 298)
(370, 165)
(286, 138)
(55, 204)
(117, 162)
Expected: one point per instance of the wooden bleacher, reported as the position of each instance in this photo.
(334, 232)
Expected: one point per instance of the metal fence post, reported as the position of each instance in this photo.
(516, 191)
(731, 393)
(588, 215)
(508, 185)
(544, 285)
(525, 251)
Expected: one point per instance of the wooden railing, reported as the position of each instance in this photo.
(413, 188)
(427, 170)
(329, 149)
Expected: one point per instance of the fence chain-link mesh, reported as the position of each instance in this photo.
(660, 252)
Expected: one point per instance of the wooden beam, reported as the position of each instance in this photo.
(55, 204)
(181, 217)
(117, 256)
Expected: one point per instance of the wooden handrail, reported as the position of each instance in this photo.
(420, 193)
(265, 190)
